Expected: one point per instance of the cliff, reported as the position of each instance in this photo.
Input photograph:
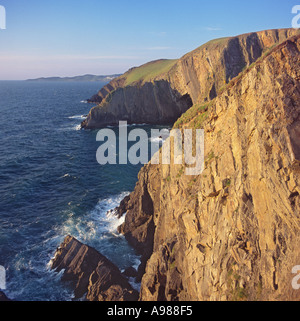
(205, 71)
(153, 103)
(134, 76)
(231, 233)
(160, 91)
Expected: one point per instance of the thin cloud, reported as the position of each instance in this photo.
(158, 48)
(158, 33)
(64, 57)
(212, 29)
(115, 57)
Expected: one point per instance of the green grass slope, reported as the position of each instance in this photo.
(148, 72)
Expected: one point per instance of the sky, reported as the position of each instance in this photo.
(75, 37)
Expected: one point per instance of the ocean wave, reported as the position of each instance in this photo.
(101, 222)
(129, 125)
(114, 222)
(98, 228)
(78, 117)
(66, 175)
(33, 262)
(138, 125)
(76, 127)
(134, 284)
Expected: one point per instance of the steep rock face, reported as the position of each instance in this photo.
(199, 76)
(135, 76)
(231, 233)
(140, 207)
(106, 90)
(152, 103)
(92, 273)
(203, 72)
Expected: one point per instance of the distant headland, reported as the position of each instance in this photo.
(102, 78)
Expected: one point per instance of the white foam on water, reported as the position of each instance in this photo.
(98, 228)
(136, 286)
(70, 128)
(28, 263)
(66, 175)
(114, 222)
(78, 117)
(95, 227)
(100, 223)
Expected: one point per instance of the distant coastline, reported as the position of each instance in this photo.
(104, 78)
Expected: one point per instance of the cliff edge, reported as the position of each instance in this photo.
(231, 233)
(159, 92)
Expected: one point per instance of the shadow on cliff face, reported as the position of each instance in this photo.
(234, 57)
(294, 132)
(151, 103)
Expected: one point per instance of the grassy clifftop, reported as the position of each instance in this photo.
(148, 71)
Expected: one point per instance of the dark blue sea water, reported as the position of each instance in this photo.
(51, 185)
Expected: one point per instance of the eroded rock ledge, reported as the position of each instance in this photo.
(92, 273)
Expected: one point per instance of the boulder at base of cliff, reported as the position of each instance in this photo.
(92, 273)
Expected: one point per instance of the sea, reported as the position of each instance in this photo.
(51, 186)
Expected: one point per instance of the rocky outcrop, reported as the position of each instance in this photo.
(106, 90)
(161, 97)
(135, 76)
(152, 103)
(93, 275)
(231, 233)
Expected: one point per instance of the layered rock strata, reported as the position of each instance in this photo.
(93, 275)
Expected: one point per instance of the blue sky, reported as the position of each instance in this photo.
(66, 38)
